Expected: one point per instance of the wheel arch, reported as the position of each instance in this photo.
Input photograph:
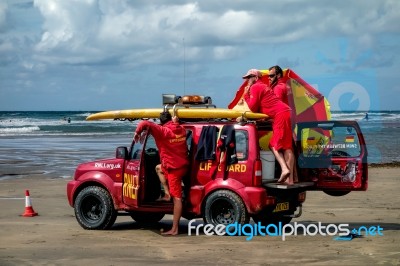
(235, 202)
(220, 184)
(95, 178)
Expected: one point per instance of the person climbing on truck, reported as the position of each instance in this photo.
(170, 138)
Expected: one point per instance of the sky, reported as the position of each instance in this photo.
(76, 55)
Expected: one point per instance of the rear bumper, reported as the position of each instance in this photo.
(256, 199)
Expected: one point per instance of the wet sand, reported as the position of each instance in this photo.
(55, 238)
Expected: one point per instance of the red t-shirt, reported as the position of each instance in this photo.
(171, 141)
(262, 99)
(280, 90)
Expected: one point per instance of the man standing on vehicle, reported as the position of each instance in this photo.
(278, 85)
(261, 99)
(170, 139)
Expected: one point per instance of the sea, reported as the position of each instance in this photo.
(53, 143)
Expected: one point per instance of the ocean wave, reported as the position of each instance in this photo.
(61, 134)
(35, 122)
(26, 122)
(86, 114)
(377, 116)
(18, 130)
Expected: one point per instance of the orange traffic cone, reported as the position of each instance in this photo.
(29, 212)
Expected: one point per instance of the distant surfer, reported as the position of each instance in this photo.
(69, 120)
(366, 116)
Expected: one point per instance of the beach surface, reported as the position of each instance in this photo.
(55, 238)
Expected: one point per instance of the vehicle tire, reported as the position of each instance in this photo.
(94, 208)
(266, 218)
(225, 207)
(147, 217)
(336, 193)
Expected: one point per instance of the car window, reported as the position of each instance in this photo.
(151, 143)
(136, 151)
(137, 148)
(189, 139)
(345, 142)
(242, 144)
(340, 141)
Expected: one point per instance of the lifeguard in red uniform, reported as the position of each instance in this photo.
(262, 99)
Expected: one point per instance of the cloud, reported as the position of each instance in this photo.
(89, 31)
(126, 42)
(3, 16)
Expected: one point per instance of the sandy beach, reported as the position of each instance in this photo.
(55, 238)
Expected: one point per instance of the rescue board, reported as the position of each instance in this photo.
(202, 113)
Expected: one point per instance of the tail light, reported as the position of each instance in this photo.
(301, 197)
(270, 201)
(257, 173)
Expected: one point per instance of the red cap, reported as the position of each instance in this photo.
(252, 73)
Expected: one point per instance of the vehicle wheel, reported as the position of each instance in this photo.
(336, 193)
(147, 217)
(266, 218)
(94, 208)
(225, 207)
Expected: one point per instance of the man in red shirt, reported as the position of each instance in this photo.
(170, 138)
(280, 88)
(277, 84)
(261, 99)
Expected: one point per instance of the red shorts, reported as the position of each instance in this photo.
(174, 178)
(282, 132)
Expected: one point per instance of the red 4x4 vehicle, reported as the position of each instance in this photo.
(331, 156)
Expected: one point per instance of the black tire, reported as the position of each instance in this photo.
(94, 209)
(336, 193)
(147, 217)
(225, 207)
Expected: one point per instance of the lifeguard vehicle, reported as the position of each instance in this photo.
(331, 157)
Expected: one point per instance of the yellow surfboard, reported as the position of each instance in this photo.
(203, 113)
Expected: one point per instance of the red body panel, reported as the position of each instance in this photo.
(125, 179)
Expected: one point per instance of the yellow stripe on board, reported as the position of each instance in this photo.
(181, 112)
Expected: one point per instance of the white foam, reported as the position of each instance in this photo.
(9, 130)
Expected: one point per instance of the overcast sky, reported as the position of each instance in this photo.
(119, 54)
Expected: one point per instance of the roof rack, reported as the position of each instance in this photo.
(187, 101)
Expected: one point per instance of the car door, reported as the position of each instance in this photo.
(131, 185)
(332, 155)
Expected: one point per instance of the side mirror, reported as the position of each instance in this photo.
(121, 153)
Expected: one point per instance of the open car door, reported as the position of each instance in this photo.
(332, 155)
(131, 185)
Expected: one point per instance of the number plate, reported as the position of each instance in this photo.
(282, 206)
